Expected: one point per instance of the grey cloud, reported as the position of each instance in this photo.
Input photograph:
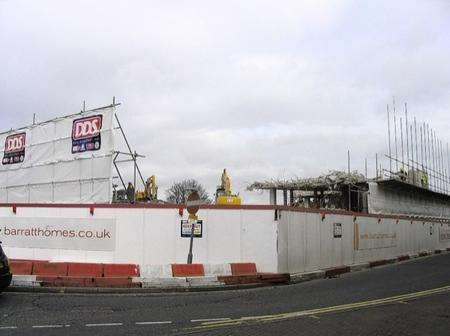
(266, 89)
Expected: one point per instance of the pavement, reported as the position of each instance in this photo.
(408, 298)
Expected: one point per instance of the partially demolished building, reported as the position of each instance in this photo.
(334, 190)
(415, 180)
(354, 192)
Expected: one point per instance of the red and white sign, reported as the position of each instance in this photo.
(15, 143)
(86, 134)
(14, 148)
(86, 127)
(193, 203)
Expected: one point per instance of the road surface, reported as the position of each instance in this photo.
(410, 298)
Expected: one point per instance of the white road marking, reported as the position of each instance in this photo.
(5, 328)
(212, 319)
(154, 322)
(48, 326)
(103, 324)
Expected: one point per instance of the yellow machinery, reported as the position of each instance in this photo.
(150, 193)
(224, 195)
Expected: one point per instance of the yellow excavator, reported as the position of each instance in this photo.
(150, 193)
(224, 196)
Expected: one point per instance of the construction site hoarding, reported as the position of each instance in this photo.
(93, 234)
(65, 160)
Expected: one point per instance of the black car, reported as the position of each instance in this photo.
(5, 274)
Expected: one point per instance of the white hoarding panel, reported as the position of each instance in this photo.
(370, 236)
(59, 233)
(444, 233)
(65, 160)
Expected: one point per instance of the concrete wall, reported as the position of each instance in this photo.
(384, 200)
(306, 242)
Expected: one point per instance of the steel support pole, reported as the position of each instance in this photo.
(349, 187)
(134, 178)
(376, 165)
(118, 172)
(191, 243)
(389, 139)
(129, 148)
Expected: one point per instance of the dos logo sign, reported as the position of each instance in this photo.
(86, 127)
(86, 134)
(15, 143)
(14, 148)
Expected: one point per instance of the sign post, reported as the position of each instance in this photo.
(192, 204)
(190, 256)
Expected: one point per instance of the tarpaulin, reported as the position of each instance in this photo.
(65, 160)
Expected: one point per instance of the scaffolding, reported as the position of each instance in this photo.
(419, 157)
(121, 157)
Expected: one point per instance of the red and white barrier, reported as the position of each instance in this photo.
(60, 274)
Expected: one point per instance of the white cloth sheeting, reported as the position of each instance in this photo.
(50, 172)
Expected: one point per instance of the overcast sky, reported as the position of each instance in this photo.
(267, 89)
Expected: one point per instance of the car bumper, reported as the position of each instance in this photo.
(5, 280)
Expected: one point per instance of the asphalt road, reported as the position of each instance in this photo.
(410, 298)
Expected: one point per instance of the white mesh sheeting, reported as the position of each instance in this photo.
(51, 173)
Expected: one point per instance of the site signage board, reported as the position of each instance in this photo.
(370, 236)
(337, 230)
(186, 228)
(87, 234)
(86, 134)
(444, 233)
(14, 148)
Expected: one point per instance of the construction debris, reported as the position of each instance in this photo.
(331, 181)
(334, 190)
